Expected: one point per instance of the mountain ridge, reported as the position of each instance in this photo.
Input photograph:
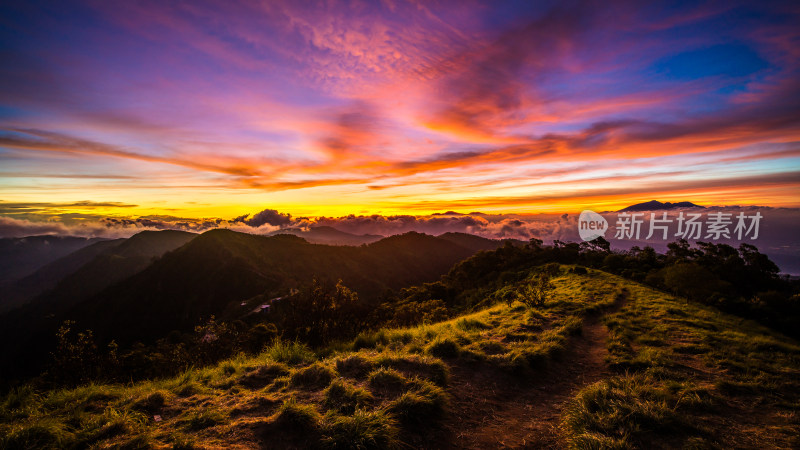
(655, 205)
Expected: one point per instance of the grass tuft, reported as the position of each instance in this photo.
(206, 418)
(362, 430)
(45, 433)
(263, 375)
(346, 398)
(385, 378)
(444, 348)
(290, 352)
(354, 366)
(315, 376)
(298, 417)
(419, 405)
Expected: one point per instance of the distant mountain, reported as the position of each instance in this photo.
(212, 274)
(472, 241)
(110, 265)
(220, 268)
(46, 278)
(329, 236)
(22, 256)
(655, 205)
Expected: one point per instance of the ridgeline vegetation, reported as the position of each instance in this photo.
(570, 345)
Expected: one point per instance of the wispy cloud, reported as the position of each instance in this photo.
(399, 105)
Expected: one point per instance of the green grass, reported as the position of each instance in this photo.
(677, 367)
(296, 416)
(684, 370)
(369, 391)
(346, 398)
(361, 430)
(315, 376)
(420, 405)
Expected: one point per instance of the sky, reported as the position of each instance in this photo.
(116, 114)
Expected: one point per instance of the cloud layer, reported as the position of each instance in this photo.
(398, 106)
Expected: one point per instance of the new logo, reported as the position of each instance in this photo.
(591, 225)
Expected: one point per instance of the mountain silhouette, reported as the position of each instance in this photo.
(20, 257)
(329, 236)
(655, 205)
(212, 274)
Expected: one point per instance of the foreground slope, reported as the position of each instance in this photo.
(664, 373)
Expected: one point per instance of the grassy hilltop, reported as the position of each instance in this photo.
(604, 363)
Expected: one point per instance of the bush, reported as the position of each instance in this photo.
(622, 410)
(413, 313)
(535, 292)
(259, 336)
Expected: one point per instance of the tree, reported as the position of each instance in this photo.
(320, 313)
(75, 359)
(537, 291)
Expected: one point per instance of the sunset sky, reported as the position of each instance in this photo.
(218, 109)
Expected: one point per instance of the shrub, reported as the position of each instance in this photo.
(259, 336)
(413, 313)
(536, 291)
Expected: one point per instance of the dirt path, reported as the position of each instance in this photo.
(492, 409)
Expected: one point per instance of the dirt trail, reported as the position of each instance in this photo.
(492, 409)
